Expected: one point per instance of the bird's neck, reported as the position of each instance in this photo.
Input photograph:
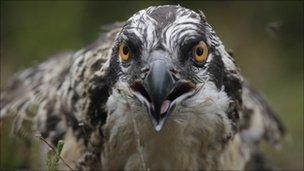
(188, 140)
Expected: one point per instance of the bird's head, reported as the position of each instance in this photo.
(166, 55)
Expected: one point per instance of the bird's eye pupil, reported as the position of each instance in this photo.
(199, 51)
(125, 50)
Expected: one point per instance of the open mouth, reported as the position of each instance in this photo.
(160, 90)
(158, 112)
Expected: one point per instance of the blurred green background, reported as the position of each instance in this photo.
(266, 38)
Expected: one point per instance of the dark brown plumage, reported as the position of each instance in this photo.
(101, 106)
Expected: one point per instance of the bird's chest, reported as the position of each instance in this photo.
(134, 144)
(131, 142)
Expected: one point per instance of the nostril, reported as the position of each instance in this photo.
(144, 72)
(145, 69)
(174, 71)
(175, 74)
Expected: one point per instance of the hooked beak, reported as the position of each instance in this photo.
(159, 92)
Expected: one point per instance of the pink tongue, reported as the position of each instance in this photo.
(165, 107)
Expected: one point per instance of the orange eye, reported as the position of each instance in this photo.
(200, 52)
(124, 52)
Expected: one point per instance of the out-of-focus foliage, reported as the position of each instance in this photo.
(266, 38)
(53, 157)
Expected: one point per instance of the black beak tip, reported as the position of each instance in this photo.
(158, 124)
(158, 127)
(160, 89)
(159, 120)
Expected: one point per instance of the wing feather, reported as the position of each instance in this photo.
(259, 121)
(32, 96)
(55, 95)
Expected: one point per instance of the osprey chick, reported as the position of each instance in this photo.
(160, 93)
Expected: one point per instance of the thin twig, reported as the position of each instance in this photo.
(41, 138)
